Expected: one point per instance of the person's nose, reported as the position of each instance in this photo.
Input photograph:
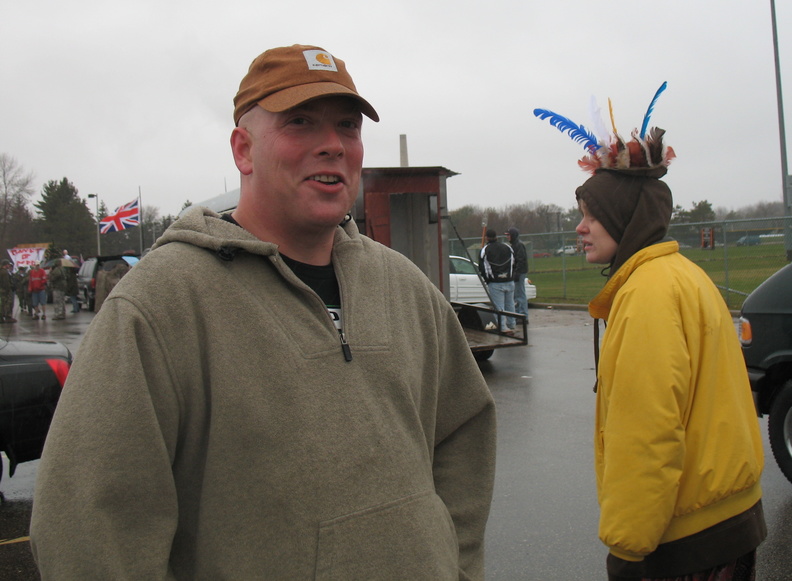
(580, 228)
(330, 142)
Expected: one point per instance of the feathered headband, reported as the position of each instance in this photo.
(608, 150)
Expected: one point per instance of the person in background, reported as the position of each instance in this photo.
(72, 289)
(107, 278)
(298, 402)
(28, 294)
(37, 284)
(58, 284)
(20, 284)
(520, 271)
(496, 265)
(6, 292)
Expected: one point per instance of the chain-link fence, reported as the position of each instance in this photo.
(737, 254)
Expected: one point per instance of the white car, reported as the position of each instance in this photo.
(467, 287)
(568, 250)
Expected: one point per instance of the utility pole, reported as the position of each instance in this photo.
(786, 179)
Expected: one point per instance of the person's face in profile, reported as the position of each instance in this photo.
(598, 245)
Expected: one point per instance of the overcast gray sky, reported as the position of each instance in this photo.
(128, 94)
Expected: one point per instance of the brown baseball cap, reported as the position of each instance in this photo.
(282, 78)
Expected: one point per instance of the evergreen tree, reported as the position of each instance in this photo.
(64, 218)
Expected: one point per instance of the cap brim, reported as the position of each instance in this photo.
(294, 96)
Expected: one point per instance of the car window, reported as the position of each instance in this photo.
(462, 266)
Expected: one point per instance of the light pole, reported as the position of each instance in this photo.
(785, 177)
(98, 244)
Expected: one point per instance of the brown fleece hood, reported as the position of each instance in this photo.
(633, 206)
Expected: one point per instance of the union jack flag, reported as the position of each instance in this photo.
(127, 216)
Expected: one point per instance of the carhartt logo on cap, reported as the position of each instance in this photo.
(319, 60)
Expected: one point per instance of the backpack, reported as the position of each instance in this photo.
(497, 260)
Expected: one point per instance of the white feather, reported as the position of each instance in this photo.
(598, 127)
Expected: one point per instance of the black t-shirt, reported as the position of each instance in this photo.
(320, 279)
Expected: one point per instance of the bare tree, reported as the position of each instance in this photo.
(16, 189)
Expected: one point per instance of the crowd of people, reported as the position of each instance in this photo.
(32, 286)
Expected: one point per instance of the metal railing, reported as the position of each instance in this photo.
(738, 255)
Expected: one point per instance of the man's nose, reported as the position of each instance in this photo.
(330, 142)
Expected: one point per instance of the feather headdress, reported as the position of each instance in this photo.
(609, 150)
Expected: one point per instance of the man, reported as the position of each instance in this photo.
(108, 276)
(59, 285)
(520, 271)
(72, 289)
(6, 292)
(496, 266)
(37, 285)
(226, 426)
(20, 285)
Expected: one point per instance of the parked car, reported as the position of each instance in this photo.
(86, 276)
(766, 337)
(749, 240)
(32, 374)
(467, 287)
(568, 250)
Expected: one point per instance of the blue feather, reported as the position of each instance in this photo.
(651, 108)
(577, 132)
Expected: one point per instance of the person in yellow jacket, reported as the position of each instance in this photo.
(678, 454)
(677, 450)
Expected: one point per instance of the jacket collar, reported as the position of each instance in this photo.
(600, 306)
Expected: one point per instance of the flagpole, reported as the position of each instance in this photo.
(98, 225)
(140, 203)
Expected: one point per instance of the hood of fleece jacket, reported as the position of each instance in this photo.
(206, 229)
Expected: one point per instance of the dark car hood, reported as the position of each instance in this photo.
(773, 296)
(19, 350)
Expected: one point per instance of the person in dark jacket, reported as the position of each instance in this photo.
(20, 284)
(72, 290)
(520, 271)
(6, 292)
(496, 265)
(58, 283)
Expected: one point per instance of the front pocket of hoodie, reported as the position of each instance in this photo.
(410, 538)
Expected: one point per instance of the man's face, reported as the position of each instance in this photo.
(305, 163)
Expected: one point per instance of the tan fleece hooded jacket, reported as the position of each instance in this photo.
(211, 427)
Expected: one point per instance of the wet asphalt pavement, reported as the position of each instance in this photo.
(543, 524)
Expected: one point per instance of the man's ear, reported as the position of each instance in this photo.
(241, 147)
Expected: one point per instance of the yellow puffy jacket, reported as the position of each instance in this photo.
(677, 443)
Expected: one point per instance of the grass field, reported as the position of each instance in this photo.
(740, 269)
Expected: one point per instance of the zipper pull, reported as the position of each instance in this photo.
(345, 347)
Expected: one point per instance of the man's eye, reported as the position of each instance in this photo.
(350, 124)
